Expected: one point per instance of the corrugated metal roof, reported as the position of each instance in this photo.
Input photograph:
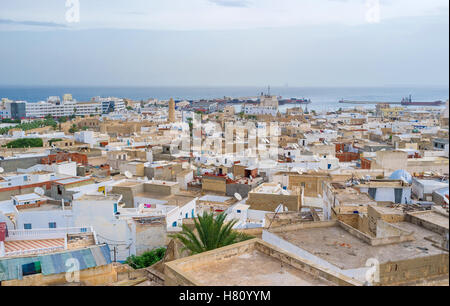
(11, 268)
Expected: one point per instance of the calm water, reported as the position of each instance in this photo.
(322, 98)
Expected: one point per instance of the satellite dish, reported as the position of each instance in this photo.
(39, 191)
(238, 196)
(128, 174)
(2, 170)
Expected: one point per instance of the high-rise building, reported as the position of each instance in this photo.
(171, 111)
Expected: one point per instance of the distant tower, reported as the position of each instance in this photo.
(171, 111)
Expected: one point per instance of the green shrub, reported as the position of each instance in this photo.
(147, 259)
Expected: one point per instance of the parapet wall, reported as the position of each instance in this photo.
(416, 269)
(177, 272)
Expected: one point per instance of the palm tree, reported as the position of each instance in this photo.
(212, 233)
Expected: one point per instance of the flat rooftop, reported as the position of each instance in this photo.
(43, 207)
(250, 263)
(271, 188)
(128, 184)
(386, 184)
(346, 251)
(253, 269)
(28, 197)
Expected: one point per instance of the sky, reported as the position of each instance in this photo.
(224, 42)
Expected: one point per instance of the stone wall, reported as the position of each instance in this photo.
(270, 202)
(398, 272)
(96, 276)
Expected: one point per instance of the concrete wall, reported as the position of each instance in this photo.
(242, 189)
(392, 160)
(270, 202)
(41, 219)
(160, 189)
(150, 236)
(96, 276)
(415, 219)
(128, 193)
(215, 184)
(11, 165)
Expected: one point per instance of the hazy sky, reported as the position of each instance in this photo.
(224, 42)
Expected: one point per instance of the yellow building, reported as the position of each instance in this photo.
(171, 111)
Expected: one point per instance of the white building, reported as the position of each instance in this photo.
(56, 108)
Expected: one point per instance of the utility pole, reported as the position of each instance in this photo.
(115, 254)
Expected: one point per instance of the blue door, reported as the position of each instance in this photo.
(192, 213)
(174, 224)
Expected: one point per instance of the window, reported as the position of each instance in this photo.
(52, 225)
(27, 226)
(239, 211)
(174, 224)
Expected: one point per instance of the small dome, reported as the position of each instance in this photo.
(401, 175)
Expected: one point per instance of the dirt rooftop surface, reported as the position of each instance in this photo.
(346, 251)
(253, 269)
(433, 217)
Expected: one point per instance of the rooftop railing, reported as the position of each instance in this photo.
(46, 233)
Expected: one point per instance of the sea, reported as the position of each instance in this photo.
(322, 98)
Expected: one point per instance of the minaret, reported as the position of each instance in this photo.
(171, 110)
